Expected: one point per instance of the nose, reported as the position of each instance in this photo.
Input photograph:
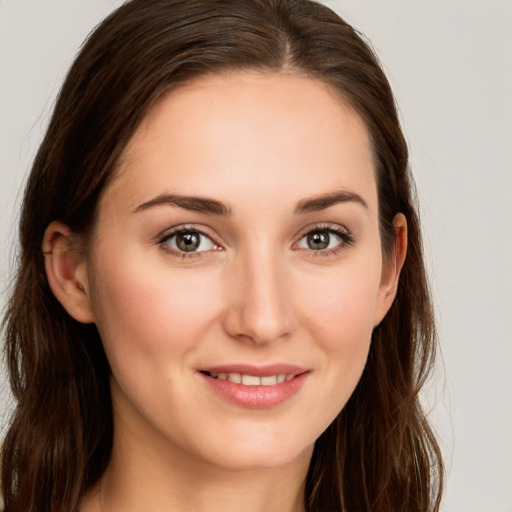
(259, 309)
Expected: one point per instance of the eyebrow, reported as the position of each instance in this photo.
(214, 207)
(196, 204)
(321, 202)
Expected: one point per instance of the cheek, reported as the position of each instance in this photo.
(339, 318)
(341, 307)
(145, 313)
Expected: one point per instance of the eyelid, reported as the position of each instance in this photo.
(323, 226)
(185, 228)
(347, 237)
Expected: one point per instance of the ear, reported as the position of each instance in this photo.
(391, 269)
(66, 269)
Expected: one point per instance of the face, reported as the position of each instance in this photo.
(235, 273)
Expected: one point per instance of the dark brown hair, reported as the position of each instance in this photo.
(379, 454)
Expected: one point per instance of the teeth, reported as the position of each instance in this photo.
(271, 380)
(250, 380)
(253, 380)
(235, 377)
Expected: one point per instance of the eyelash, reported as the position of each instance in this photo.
(166, 237)
(346, 239)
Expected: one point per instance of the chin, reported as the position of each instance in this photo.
(258, 454)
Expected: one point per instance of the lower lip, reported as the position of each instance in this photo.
(256, 397)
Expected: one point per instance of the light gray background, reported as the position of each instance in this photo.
(450, 63)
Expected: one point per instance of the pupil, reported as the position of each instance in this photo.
(188, 242)
(318, 240)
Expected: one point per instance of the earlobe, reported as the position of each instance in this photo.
(66, 270)
(391, 271)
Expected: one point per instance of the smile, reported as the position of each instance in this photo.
(255, 388)
(253, 380)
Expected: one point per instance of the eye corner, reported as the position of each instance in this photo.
(195, 242)
(335, 238)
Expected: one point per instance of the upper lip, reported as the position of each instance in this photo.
(257, 371)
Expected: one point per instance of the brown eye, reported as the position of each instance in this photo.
(325, 240)
(188, 242)
(318, 240)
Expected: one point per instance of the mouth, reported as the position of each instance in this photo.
(255, 387)
(251, 380)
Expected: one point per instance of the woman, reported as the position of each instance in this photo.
(221, 299)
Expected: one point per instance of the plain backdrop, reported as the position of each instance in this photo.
(450, 64)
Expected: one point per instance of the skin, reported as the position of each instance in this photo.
(257, 294)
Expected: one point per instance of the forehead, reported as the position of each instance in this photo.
(248, 132)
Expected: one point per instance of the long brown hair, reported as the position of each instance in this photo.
(379, 454)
